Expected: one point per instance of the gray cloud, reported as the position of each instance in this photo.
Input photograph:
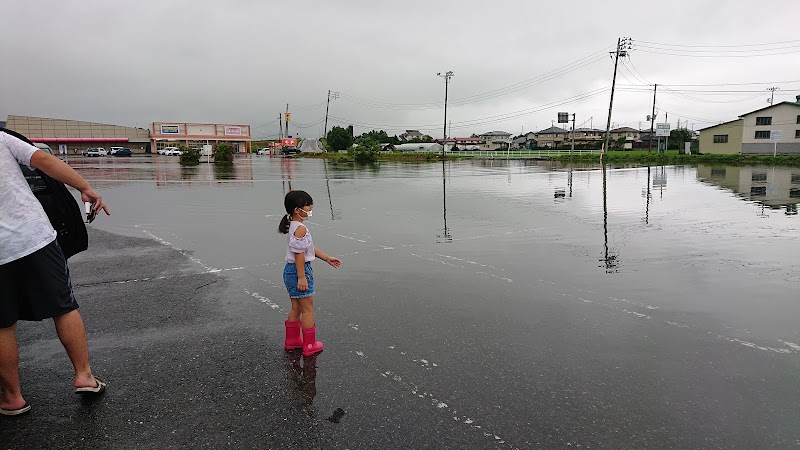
(241, 61)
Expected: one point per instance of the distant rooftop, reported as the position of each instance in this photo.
(554, 130)
(496, 133)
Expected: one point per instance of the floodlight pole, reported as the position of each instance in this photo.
(447, 75)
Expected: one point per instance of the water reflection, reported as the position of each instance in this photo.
(610, 260)
(648, 197)
(304, 377)
(773, 188)
(445, 237)
(335, 213)
(225, 171)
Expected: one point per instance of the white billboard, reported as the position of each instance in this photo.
(170, 129)
(662, 129)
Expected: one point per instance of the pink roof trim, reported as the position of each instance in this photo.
(92, 139)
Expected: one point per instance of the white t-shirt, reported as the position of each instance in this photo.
(24, 226)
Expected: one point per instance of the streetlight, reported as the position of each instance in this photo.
(447, 75)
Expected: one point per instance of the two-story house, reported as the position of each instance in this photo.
(760, 126)
(586, 136)
(756, 132)
(552, 137)
(495, 140)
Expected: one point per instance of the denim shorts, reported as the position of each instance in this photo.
(290, 279)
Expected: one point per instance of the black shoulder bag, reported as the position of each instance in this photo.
(59, 205)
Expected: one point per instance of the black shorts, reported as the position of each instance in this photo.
(35, 287)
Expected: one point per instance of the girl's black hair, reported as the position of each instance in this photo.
(294, 199)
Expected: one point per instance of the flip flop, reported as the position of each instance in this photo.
(15, 412)
(99, 389)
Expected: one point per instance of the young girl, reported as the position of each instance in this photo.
(297, 274)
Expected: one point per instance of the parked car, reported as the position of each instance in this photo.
(165, 150)
(286, 151)
(114, 150)
(43, 147)
(122, 152)
(94, 152)
(172, 151)
(263, 151)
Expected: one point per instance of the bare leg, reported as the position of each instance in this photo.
(294, 314)
(307, 309)
(72, 334)
(10, 398)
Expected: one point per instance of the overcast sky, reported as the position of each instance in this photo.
(516, 63)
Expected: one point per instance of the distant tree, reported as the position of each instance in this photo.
(223, 153)
(617, 144)
(678, 137)
(339, 139)
(189, 156)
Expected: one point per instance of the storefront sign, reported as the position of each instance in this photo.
(170, 129)
(233, 131)
(289, 142)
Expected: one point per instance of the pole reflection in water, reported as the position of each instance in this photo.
(446, 237)
(334, 213)
(610, 260)
(647, 195)
(560, 194)
(569, 181)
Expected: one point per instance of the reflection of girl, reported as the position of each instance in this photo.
(297, 274)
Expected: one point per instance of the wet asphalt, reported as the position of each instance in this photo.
(186, 369)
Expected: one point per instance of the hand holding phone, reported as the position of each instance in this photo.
(90, 211)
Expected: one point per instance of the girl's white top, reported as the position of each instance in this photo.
(296, 245)
(24, 226)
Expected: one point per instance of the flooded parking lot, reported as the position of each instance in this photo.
(514, 304)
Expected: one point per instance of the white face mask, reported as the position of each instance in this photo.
(308, 214)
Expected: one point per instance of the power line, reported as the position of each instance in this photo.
(737, 50)
(717, 56)
(547, 76)
(723, 46)
(485, 120)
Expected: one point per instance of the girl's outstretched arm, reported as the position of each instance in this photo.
(333, 261)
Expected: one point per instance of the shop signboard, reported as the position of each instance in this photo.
(170, 129)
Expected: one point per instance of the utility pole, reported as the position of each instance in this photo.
(447, 75)
(331, 95)
(287, 120)
(280, 126)
(652, 121)
(572, 149)
(622, 43)
(772, 96)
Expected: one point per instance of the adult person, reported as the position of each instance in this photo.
(34, 277)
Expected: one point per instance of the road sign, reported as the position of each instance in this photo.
(776, 135)
(563, 117)
(662, 129)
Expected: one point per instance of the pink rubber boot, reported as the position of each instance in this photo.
(293, 339)
(310, 343)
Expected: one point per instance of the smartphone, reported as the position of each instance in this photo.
(90, 213)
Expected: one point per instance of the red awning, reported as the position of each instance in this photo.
(92, 139)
